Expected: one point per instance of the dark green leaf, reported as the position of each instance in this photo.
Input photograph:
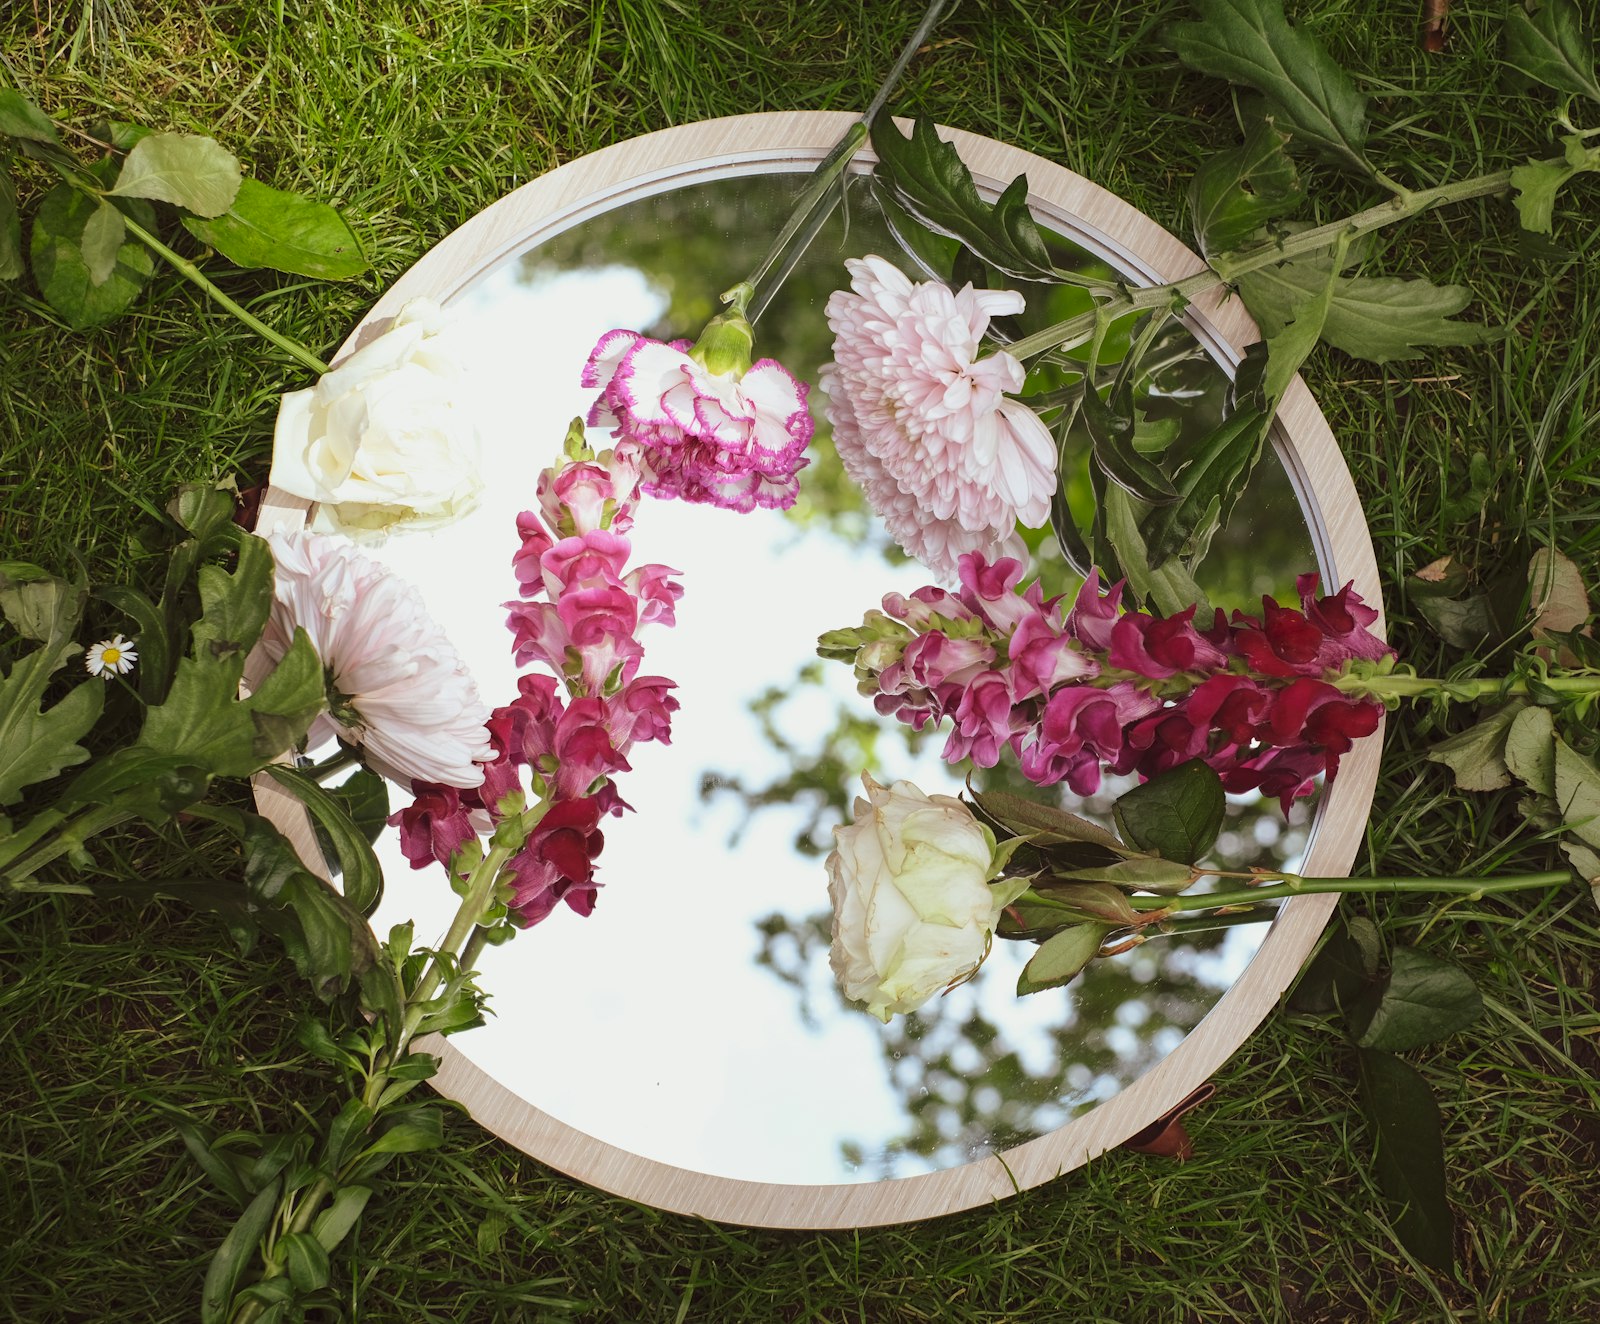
(1111, 425)
(266, 227)
(1291, 344)
(1176, 815)
(1422, 999)
(1477, 755)
(347, 1132)
(1061, 958)
(10, 230)
(1043, 824)
(1209, 486)
(364, 796)
(153, 786)
(930, 180)
(61, 266)
(38, 743)
(935, 254)
(1550, 48)
(315, 1038)
(1235, 193)
(415, 1130)
(186, 169)
(1251, 42)
(215, 1166)
(1462, 622)
(361, 874)
(334, 1223)
(234, 1255)
(1341, 970)
(1168, 586)
(20, 118)
(306, 1260)
(149, 626)
(1408, 1156)
(1377, 318)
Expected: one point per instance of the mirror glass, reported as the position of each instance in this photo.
(693, 1019)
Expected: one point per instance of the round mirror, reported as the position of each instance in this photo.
(685, 1045)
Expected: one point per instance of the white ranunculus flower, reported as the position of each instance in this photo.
(913, 906)
(386, 439)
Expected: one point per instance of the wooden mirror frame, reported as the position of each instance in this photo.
(1134, 244)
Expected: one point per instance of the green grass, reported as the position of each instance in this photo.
(413, 117)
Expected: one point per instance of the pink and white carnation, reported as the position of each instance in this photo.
(711, 427)
(926, 427)
(397, 688)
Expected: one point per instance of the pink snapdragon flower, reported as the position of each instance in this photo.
(1095, 687)
(711, 426)
(927, 428)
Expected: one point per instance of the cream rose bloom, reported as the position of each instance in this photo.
(386, 439)
(913, 907)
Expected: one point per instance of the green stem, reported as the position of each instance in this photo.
(1295, 885)
(1464, 691)
(69, 836)
(186, 268)
(1228, 267)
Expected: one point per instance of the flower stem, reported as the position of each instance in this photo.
(1464, 691)
(809, 212)
(1294, 885)
(186, 268)
(1228, 267)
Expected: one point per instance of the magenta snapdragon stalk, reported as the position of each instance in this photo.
(526, 839)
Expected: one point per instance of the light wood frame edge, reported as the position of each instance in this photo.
(671, 157)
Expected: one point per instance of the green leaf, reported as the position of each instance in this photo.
(364, 796)
(1111, 426)
(267, 227)
(1461, 622)
(414, 1130)
(1251, 42)
(1168, 585)
(149, 626)
(153, 786)
(1145, 873)
(1340, 971)
(1235, 193)
(20, 118)
(61, 264)
(359, 868)
(1477, 755)
(1422, 999)
(1061, 958)
(1531, 750)
(37, 743)
(1377, 318)
(1292, 343)
(334, 1223)
(10, 230)
(1177, 814)
(347, 1131)
(935, 254)
(1408, 1156)
(1093, 900)
(186, 169)
(1586, 864)
(306, 1260)
(1209, 486)
(234, 1255)
(1578, 792)
(1044, 824)
(213, 1164)
(103, 236)
(930, 180)
(1550, 48)
(1536, 185)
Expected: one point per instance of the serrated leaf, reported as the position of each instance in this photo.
(20, 118)
(10, 230)
(1422, 999)
(1550, 48)
(1377, 318)
(268, 227)
(1235, 193)
(61, 265)
(189, 170)
(1251, 42)
(1061, 958)
(1536, 184)
(238, 1248)
(361, 875)
(1531, 752)
(103, 237)
(1477, 755)
(934, 254)
(1408, 1155)
(930, 180)
(1578, 792)
(1176, 814)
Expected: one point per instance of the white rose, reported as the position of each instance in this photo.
(913, 908)
(385, 439)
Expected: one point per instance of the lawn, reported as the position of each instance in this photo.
(412, 117)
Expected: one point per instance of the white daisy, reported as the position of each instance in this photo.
(110, 657)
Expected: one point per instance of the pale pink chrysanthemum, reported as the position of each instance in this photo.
(397, 688)
(924, 425)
